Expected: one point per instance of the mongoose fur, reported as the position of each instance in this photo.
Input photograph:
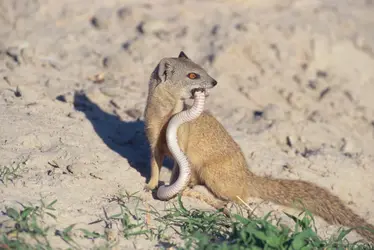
(216, 159)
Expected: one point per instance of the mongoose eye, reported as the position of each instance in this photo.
(193, 76)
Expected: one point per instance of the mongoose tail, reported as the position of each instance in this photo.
(316, 199)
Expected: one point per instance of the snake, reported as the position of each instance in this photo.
(166, 192)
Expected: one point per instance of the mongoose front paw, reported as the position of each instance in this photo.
(150, 186)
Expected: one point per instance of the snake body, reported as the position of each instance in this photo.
(166, 192)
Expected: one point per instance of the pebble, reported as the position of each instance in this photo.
(28, 93)
(67, 98)
(102, 19)
(321, 74)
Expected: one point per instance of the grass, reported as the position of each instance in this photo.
(25, 228)
(212, 230)
(11, 173)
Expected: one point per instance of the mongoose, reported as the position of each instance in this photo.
(216, 160)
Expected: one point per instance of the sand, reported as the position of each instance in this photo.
(295, 89)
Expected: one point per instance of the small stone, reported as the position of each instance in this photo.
(17, 93)
(126, 45)
(257, 114)
(72, 115)
(140, 28)
(321, 74)
(102, 19)
(289, 141)
(215, 29)
(66, 98)
(27, 93)
(61, 98)
(111, 234)
(304, 66)
(312, 84)
(241, 27)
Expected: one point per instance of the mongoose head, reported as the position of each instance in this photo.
(183, 75)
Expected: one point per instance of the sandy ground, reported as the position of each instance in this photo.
(296, 85)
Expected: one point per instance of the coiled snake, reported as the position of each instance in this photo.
(166, 192)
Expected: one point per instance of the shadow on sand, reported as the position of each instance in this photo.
(125, 138)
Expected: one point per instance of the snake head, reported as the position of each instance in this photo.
(193, 91)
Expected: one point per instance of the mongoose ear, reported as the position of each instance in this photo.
(164, 70)
(182, 55)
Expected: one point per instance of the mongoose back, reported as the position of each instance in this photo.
(216, 159)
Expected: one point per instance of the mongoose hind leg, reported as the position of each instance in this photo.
(215, 203)
(229, 185)
(194, 180)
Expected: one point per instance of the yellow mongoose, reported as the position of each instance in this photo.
(216, 159)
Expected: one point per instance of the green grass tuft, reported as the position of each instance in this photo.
(11, 173)
(201, 230)
(209, 230)
(23, 229)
